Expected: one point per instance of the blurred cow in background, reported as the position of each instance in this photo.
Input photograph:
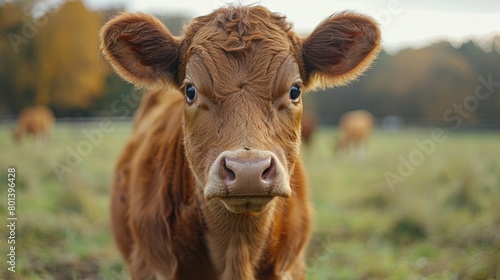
(37, 121)
(355, 128)
(308, 127)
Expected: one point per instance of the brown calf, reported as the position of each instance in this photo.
(355, 128)
(210, 185)
(37, 121)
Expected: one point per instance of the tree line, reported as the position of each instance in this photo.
(439, 83)
(50, 55)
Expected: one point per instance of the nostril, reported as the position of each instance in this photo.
(227, 174)
(266, 172)
(269, 173)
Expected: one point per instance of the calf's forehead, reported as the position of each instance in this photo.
(239, 48)
(216, 73)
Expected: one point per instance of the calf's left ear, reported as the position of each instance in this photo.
(340, 49)
(140, 49)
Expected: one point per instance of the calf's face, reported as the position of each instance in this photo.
(242, 72)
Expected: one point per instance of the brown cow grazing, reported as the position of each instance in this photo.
(355, 128)
(36, 121)
(210, 186)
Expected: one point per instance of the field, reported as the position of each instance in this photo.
(438, 219)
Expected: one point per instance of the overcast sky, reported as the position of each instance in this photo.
(404, 23)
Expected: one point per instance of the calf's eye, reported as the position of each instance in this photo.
(191, 93)
(294, 93)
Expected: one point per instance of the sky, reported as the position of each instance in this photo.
(404, 23)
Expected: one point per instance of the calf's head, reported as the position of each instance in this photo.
(242, 71)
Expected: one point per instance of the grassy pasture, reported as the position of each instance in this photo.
(441, 221)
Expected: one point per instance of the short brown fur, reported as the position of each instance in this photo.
(243, 63)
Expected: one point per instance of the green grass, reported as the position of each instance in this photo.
(442, 222)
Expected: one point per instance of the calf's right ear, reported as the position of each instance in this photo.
(140, 49)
